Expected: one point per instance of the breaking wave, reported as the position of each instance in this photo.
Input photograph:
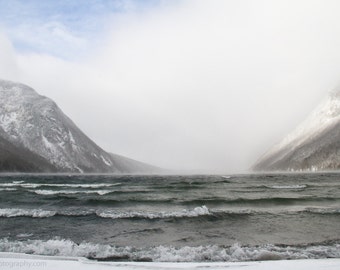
(279, 200)
(113, 214)
(37, 185)
(200, 211)
(288, 187)
(66, 192)
(8, 189)
(18, 182)
(35, 213)
(211, 253)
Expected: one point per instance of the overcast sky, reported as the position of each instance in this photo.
(183, 84)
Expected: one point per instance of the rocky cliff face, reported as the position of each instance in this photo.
(18, 159)
(35, 125)
(313, 146)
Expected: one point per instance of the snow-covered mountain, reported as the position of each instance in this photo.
(35, 134)
(313, 146)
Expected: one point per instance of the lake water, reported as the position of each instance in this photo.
(172, 218)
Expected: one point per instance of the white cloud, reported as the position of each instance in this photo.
(8, 61)
(202, 84)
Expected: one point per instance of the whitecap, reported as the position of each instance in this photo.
(323, 210)
(211, 253)
(32, 185)
(8, 185)
(82, 185)
(68, 192)
(24, 235)
(18, 182)
(8, 189)
(289, 187)
(35, 213)
(116, 214)
(36, 185)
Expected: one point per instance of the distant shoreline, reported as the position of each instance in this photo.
(176, 173)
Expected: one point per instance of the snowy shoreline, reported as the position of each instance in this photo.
(26, 261)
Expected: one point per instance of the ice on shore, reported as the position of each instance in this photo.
(15, 261)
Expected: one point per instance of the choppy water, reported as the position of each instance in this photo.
(172, 218)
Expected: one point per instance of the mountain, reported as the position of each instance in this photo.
(13, 158)
(36, 136)
(313, 146)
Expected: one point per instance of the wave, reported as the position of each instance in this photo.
(35, 213)
(18, 182)
(37, 185)
(8, 189)
(201, 211)
(43, 213)
(198, 211)
(138, 198)
(257, 201)
(110, 202)
(113, 214)
(288, 187)
(24, 235)
(67, 192)
(206, 201)
(324, 211)
(209, 253)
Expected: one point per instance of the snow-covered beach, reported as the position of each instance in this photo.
(16, 261)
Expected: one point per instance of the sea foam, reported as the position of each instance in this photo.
(199, 211)
(288, 187)
(35, 213)
(8, 189)
(36, 185)
(212, 253)
(109, 213)
(114, 214)
(67, 192)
